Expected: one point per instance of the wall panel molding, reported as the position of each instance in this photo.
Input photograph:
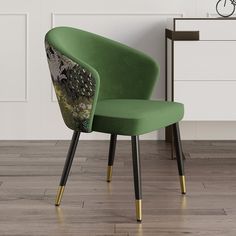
(26, 65)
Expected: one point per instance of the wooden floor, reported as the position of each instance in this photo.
(30, 173)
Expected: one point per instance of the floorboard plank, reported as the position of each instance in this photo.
(30, 172)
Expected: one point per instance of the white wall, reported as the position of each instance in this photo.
(27, 103)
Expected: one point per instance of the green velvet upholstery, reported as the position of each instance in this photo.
(135, 117)
(124, 72)
(123, 80)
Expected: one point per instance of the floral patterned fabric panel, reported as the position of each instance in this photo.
(75, 90)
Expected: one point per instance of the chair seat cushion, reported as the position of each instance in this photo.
(135, 117)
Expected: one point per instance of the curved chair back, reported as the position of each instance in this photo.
(86, 67)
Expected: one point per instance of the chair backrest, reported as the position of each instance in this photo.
(86, 67)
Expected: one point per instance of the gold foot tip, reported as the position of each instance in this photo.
(138, 210)
(57, 203)
(109, 174)
(139, 220)
(59, 195)
(183, 184)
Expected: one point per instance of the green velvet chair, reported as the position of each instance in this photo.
(104, 86)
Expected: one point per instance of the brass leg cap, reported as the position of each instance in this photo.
(138, 204)
(182, 184)
(59, 195)
(109, 173)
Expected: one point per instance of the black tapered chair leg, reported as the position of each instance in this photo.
(111, 156)
(67, 167)
(179, 156)
(137, 176)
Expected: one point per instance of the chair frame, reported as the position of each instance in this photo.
(136, 166)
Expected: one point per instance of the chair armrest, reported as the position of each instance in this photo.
(76, 85)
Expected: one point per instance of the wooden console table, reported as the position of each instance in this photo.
(200, 68)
